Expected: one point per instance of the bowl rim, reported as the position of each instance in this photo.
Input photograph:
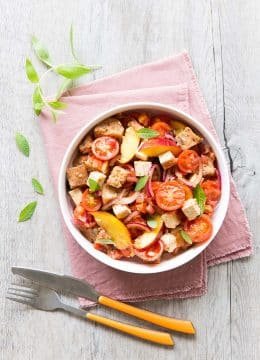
(128, 265)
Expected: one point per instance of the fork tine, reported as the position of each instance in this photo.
(22, 301)
(25, 288)
(21, 294)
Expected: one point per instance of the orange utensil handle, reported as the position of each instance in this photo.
(146, 334)
(183, 326)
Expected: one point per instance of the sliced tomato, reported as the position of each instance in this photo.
(199, 229)
(105, 147)
(188, 191)
(162, 127)
(151, 254)
(188, 161)
(91, 201)
(170, 195)
(212, 191)
(100, 247)
(155, 185)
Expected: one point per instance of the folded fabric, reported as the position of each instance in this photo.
(169, 81)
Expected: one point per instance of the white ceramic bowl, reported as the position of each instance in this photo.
(132, 266)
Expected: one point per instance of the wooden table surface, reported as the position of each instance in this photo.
(223, 39)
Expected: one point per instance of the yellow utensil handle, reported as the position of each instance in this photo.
(183, 326)
(146, 334)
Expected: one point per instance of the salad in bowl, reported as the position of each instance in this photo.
(144, 186)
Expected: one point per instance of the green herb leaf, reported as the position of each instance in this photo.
(141, 183)
(200, 196)
(151, 222)
(73, 71)
(147, 133)
(186, 237)
(37, 100)
(27, 211)
(31, 72)
(65, 85)
(105, 242)
(57, 105)
(22, 144)
(72, 44)
(41, 51)
(93, 185)
(37, 186)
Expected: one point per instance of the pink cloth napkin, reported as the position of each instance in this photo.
(169, 81)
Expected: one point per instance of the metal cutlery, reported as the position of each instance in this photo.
(48, 300)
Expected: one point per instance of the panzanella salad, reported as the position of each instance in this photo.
(143, 185)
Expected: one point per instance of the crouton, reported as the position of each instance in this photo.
(94, 164)
(109, 127)
(102, 234)
(142, 168)
(191, 209)
(171, 220)
(80, 160)
(186, 139)
(76, 196)
(117, 177)
(208, 168)
(77, 176)
(85, 146)
(108, 193)
(121, 211)
(90, 233)
(167, 160)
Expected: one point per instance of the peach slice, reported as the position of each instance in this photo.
(129, 145)
(149, 237)
(115, 228)
(158, 146)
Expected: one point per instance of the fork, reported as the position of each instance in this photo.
(48, 300)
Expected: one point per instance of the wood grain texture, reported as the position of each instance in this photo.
(224, 42)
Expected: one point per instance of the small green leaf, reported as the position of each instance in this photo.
(186, 237)
(72, 44)
(37, 100)
(146, 133)
(151, 222)
(27, 211)
(105, 242)
(57, 105)
(31, 72)
(93, 185)
(141, 183)
(41, 51)
(37, 186)
(200, 196)
(22, 144)
(65, 85)
(73, 71)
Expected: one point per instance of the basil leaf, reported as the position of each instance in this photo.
(31, 72)
(27, 211)
(41, 51)
(37, 186)
(200, 196)
(22, 144)
(73, 71)
(141, 183)
(151, 222)
(37, 100)
(65, 85)
(93, 185)
(72, 44)
(147, 133)
(186, 237)
(105, 242)
(57, 105)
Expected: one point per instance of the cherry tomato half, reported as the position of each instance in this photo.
(188, 161)
(90, 201)
(187, 190)
(105, 147)
(151, 254)
(212, 191)
(199, 229)
(162, 127)
(170, 195)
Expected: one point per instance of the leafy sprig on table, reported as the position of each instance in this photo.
(68, 72)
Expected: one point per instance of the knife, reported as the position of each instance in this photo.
(83, 289)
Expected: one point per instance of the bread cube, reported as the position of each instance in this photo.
(80, 160)
(85, 146)
(171, 220)
(110, 127)
(208, 168)
(142, 168)
(94, 163)
(191, 209)
(76, 196)
(77, 176)
(108, 193)
(169, 242)
(121, 211)
(167, 160)
(117, 177)
(98, 177)
(186, 138)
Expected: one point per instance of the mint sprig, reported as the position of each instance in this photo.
(27, 212)
(200, 197)
(22, 144)
(37, 186)
(147, 133)
(186, 237)
(93, 185)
